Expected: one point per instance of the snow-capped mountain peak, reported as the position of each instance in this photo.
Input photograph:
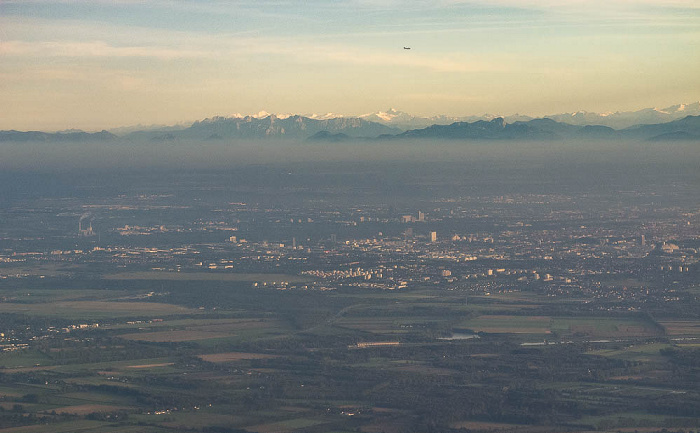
(391, 115)
(324, 116)
(617, 120)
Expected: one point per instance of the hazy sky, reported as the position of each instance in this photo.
(100, 64)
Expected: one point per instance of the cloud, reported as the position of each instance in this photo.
(91, 49)
(437, 63)
(277, 50)
(566, 4)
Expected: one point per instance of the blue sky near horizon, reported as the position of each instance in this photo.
(102, 64)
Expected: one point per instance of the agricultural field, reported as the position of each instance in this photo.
(207, 330)
(605, 327)
(42, 270)
(486, 426)
(93, 310)
(39, 296)
(379, 325)
(648, 352)
(581, 327)
(682, 328)
(234, 356)
(258, 364)
(509, 324)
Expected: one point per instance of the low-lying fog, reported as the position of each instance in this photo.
(221, 154)
(386, 171)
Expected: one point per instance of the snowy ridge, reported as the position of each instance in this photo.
(615, 120)
(401, 120)
(625, 119)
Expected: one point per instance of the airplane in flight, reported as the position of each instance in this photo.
(406, 48)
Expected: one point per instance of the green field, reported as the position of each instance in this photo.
(604, 327)
(287, 425)
(639, 352)
(193, 330)
(94, 310)
(586, 327)
(635, 421)
(509, 324)
(38, 296)
(682, 328)
(24, 358)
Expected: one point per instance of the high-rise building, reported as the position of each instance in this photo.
(421, 216)
(433, 236)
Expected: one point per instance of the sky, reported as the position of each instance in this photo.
(98, 64)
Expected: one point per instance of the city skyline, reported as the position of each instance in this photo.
(93, 65)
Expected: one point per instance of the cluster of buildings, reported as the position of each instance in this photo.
(544, 243)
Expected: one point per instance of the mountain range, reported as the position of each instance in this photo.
(271, 126)
(687, 129)
(615, 120)
(72, 136)
(346, 128)
(329, 128)
(405, 121)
